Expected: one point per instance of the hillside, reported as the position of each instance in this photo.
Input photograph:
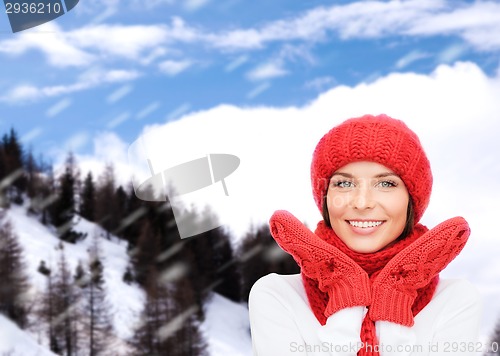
(225, 328)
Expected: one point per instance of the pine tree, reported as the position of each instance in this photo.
(63, 209)
(106, 206)
(260, 255)
(227, 273)
(48, 311)
(169, 320)
(156, 313)
(197, 254)
(62, 313)
(14, 282)
(98, 326)
(129, 228)
(184, 327)
(32, 175)
(44, 190)
(11, 169)
(88, 200)
(145, 254)
(121, 211)
(212, 261)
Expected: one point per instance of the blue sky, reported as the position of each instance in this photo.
(120, 65)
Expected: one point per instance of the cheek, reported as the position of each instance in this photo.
(337, 204)
(397, 205)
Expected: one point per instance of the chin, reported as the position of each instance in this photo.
(365, 249)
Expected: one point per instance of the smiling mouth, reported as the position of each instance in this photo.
(365, 224)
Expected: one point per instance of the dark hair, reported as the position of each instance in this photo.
(410, 218)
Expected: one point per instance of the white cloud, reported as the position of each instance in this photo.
(75, 142)
(119, 93)
(451, 54)
(118, 120)
(108, 148)
(152, 3)
(259, 89)
(267, 70)
(152, 56)
(58, 107)
(355, 20)
(320, 83)
(193, 5)
(178, 111)
(22, 92)
(84, 46)
(148, 110)
(236, 63)
(411, 57)
(171, 67)
(477, 24)
(454, 110)
(50, 40)
(88, 79)
(32, 134)
(123, 41)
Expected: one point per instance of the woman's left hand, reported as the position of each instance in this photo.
(394, 290)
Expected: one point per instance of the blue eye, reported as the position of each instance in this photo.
(387, 184)
(343, 184)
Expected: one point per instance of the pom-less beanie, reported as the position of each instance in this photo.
(379, 139)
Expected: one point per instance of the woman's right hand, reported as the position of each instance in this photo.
(346, 283)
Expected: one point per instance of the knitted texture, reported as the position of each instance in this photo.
(379, 139)
(371, 263)
(395, 288)
(334, 272)
(395, 283)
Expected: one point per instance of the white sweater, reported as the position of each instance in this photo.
(282, 323)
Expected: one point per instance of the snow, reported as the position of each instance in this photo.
(40, 243)
(226, 326)
(16, 342)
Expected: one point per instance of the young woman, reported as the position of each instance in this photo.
(369, 281)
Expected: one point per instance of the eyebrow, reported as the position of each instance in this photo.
(380, 175)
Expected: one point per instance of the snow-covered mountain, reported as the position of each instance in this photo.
(226, 327)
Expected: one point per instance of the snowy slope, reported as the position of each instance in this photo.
(16, 342)
(226, 327)
(39, 243)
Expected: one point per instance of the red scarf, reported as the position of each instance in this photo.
(372, 263)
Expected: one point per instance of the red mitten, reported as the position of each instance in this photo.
(345, 282)
(394, 290)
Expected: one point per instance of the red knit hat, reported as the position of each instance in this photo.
(379, 139)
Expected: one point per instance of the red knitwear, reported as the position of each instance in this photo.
(394, 283)
(379, 139)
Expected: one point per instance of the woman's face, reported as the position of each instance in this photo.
(367, 206)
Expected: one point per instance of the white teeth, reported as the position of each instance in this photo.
(365, 223)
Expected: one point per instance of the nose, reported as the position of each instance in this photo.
(362, 199)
